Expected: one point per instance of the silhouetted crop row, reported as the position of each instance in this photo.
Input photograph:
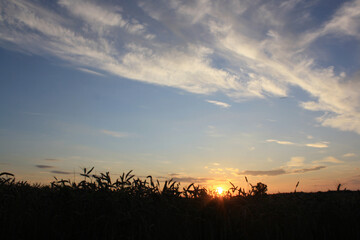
(128, 184)
(132, 208)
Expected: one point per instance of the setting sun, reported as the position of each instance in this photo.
(219, 190)
(199, 119)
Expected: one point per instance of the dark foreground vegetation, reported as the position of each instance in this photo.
(131, 208)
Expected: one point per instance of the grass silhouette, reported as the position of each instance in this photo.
(132, 208)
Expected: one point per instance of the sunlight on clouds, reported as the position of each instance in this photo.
(280, 142)
(93, 13)
(100, 16)
(313, 145)
(296, 162)
(349, 155)
(188, 69)
(90, 71)
(345, 122)
(218, 103)
(260, 55)
(318, 145)
(329, 159)
(345, 20)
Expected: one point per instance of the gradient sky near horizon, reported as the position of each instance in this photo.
(200, 91)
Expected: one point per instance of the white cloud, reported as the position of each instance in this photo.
(296, 162)
(290, 4)
(218, 103)
(263, 56)
(99, 17)
(115, 134)
(349, 155)
(313, 145)
(329, 159)
(347, 122)
(93, 13)
(280, 142)
(345, 21)
(318, 145)
(91, 72)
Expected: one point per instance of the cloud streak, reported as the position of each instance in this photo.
(304, 170)
(91, 72)
(312, 145)
(218, 103)
(280, 171)
(317, 145)
(329, 159)
(115, 134)
(180, 179)
(296, 162)
(280, 142)
(60, 172)
(264, 173)
(44, 166)
(51, 159)
(349, 155)
(192, 179)
(260, 55)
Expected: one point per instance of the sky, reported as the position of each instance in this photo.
(199, 91)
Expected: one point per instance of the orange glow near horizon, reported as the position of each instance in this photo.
(219, 190)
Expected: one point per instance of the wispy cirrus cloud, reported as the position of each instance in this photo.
(115, 134)
(192, 179)
(102, 16)
(174, 174)
(218, 103)
(344, 22)
(94, 14)
(313, 145)
(52, 159)
(295, 165)
(181, 178)
(90, 71)
(274, 172)
(304, 170)
(280, 171)
(280, 142)
(61, 172)
(261, 54)
(349, 155)
(296, 162)
(318, 145)
(329, 159)
(44, 166)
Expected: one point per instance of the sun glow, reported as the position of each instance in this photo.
(219, 190)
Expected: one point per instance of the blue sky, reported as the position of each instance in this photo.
(203, 91)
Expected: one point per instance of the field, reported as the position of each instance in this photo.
(131, 208)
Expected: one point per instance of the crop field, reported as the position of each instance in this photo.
(132, 208)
